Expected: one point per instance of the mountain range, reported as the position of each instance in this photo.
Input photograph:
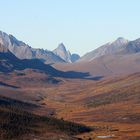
(41, 91)
(119, 46)
(23, 51)
(118, 57)
(108, 48)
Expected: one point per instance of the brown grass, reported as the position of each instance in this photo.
(111, 105)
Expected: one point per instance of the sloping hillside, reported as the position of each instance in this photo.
(10, 63)
(17, 123)
(120, 46)
(106, 65)
(23, 51)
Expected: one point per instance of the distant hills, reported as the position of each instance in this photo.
(108, 48)
(119, 46)
(23, 51)
(9, 63)
(118, 57)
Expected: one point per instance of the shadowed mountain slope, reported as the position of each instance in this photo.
(24, 51)
(120, 57)
(106, 65)
(9, 63)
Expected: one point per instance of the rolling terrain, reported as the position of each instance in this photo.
(110, 106)
(97, 97)
(23, 51)
(115, 58)
(17, 122)
(106, 65)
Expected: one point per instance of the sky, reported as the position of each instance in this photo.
(82, 25)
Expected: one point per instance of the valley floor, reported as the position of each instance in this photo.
(111, 106)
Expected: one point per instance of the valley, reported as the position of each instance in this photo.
(56, 95)
(111, 106)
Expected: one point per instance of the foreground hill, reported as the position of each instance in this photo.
(17, 123)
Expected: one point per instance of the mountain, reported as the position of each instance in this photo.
(106, 65)
(7, 60)
(75, 57)
(119, 57)
(107, 49)
(132, 47)
(24, 51)
(65, 54)
(9, 63)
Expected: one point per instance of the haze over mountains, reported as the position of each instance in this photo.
(119, 46)
(118, 57)
(65, 54)
(24, 51)
(100, 89)
(10, 63)
(109, 48)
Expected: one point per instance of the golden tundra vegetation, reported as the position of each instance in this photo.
(71, 109)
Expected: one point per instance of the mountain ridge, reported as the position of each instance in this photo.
(108, 48)
(24, 51)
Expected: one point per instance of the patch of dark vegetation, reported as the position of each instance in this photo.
(52, 80)
(20, 74)
(7, 85)
(7, 102)
(112, 97)
(15, 122)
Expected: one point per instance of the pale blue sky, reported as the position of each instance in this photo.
(82, 25)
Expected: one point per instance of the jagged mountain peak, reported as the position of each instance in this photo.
(119, 46)
(62, 52)
(3, 33)
(137, 40)
(65, 54)
(61, 47)
(121, 40)
(24, 51)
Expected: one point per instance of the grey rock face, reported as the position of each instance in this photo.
(117, 46)
(132, 47)
(65, 54)
(24, 51)
(75, 57)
